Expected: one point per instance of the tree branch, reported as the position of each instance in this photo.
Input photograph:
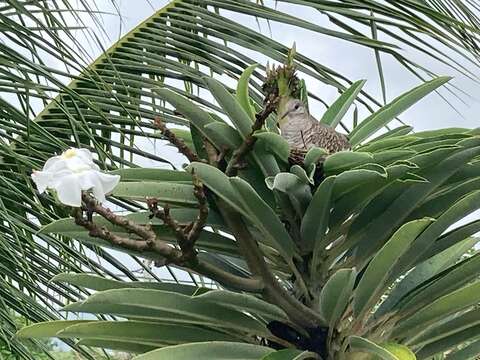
(249, 141)
(148, 243)
(273, 290)
(175, 141)
(143, 232)
(202, 216)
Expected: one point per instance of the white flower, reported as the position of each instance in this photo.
(72, 172)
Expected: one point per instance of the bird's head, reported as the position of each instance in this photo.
(292, 108)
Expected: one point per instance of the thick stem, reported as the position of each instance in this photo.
(225, 278)
(273, 291)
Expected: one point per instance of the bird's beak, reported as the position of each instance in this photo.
(286, 113)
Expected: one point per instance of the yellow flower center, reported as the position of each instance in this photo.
(70, 153)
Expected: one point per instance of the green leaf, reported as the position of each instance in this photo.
(274, 144)
(245, 302)
(301, 174)
(359, 344)
(423, 272)
(440, 132)
(315, 221)
(453, 341)
(285, 354)
(356, 197)
(399, 131)
(214, 350)
(152, 174)
(451, 238)
(198, 117)
(389, 112)
(438, 203)
(444, 329)
(431, 158)
(123, 346)
(449, 304)
(402, 352)
(469, 352)
(393, 143)
(48, 328)
(100, 283)
(168, 192)
(198, 139)
(223, 135)
(265, 219)
(458, 211)
(229, 104)
(141, 332)
(158, 305)
(345, 160)
(388, 157)
(184, 135)
(335, 295)
(350, 180)
(242, 91)
(218, 183)
(338, 109)
(373, 282)
(291, 185)
(313, 156)
(450, 280)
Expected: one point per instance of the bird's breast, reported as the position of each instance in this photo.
(295, 131)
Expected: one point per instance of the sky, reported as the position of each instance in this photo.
(354, 61)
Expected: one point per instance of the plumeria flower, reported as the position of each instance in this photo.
(70, 173)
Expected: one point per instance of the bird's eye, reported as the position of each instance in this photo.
(296, 106)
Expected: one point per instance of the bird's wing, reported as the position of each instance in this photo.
(327, 138)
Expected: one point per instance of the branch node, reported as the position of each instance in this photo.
(187, 234)
(237, 160)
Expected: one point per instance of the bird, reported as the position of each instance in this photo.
(303, 131)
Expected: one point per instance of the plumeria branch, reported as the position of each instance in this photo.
(151, 246)
(186, 235)
(147, 238)
(175, 141)
(250, 140)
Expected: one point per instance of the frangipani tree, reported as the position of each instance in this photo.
(308, 260)
(110, 108)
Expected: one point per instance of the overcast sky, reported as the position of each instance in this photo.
(354, 61)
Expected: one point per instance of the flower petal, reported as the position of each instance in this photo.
(89, 180)
(42, 179)
(73, 172)
(109, 182)
(55, 163)
(85, 155)
(68, 190)
(77, 164)
(97, 189)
